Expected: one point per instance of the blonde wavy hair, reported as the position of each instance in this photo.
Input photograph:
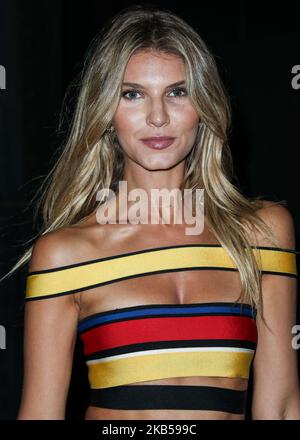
(92, 159)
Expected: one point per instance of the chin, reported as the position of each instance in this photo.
(158, 165)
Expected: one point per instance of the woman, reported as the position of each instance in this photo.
(170, 322)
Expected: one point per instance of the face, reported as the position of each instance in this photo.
(152, 107)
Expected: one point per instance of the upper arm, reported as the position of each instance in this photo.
(275, 370)
(49, 340)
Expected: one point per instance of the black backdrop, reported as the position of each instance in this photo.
(42, 47)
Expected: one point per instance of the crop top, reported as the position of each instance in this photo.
(130, 345)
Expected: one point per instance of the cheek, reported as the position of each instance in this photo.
(127, 119)
(188, 128)
(126, 125)
(185, 118)
(189, 118)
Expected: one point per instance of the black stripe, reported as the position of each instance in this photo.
(169, 315)
(143, 251)
(266, 272)
(155, 345)
(189, 397)
(292, 251)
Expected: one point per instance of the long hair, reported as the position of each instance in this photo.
(91, 158)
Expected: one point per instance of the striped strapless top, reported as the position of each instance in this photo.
(128, 346)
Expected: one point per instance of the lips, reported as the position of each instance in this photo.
(158, 138)
(158, 142)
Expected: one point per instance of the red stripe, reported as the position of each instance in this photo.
(135, 331)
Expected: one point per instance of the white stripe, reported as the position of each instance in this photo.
(171, 350)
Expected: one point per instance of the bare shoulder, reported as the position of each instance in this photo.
(280, 220)
(67, 245)
(53, 249)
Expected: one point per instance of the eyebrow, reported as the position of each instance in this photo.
(131, 84)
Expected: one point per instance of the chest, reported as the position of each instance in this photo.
(180, 285)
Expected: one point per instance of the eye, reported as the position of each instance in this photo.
(180, 89)
(128, 92)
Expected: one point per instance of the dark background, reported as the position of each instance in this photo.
(42, 46)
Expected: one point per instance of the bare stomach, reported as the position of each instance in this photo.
(99, 413)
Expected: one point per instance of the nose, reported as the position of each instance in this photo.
(157, 114)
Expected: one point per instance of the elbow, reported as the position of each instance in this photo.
(32, 414)
(38, 415)
(42, 405)
(289, 409)
(292, 408)
(31, 411)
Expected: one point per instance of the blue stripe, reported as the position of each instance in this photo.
(246, 310)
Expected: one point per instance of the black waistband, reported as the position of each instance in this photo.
(191, 397)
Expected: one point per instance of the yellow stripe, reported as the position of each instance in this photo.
(159, 366)
(88, 274)
(277, 261)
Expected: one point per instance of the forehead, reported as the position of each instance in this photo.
(153, 66)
